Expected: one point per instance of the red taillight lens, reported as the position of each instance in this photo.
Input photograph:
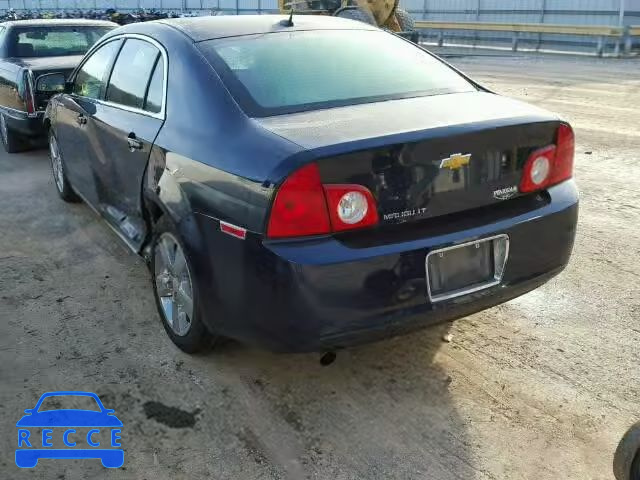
(28, 94)
(537, 170)
(350, 206)
(550, 165)
(30, 107)
(304, 206)
(300, 208)
(566, 145)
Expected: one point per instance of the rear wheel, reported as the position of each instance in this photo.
(626, 461)
(59, 175)
(12, 142)
(635, 468)
(174, 288)
(406, 22)
(356, 13)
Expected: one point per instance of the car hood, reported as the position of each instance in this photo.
(69, 418)
(380, 122)
(47, 63)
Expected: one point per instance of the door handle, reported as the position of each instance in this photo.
(134, 143)
(81, 119)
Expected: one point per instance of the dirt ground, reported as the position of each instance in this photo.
(542, 387)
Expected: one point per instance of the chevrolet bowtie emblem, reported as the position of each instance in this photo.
(456, 161)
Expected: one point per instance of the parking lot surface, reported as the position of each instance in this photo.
(542, 387)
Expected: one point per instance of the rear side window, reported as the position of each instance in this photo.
(54, 41)
(155, 93)
(288, 72)
(90, 80)
(131, 73)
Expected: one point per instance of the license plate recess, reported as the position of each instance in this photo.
(466, 268)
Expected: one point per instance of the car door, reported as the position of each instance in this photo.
(74, 125)
(126, 124)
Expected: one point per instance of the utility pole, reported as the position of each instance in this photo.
(621, 21)
(543, 9)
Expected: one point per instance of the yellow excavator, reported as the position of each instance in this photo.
(383, 13)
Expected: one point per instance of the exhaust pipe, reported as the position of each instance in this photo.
(328, 358)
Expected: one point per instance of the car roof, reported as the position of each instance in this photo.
(222, 26)
(46, 22)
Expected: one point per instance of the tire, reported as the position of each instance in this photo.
(169, 274)
(65, 190)
(635, 468)
(12, 142)
(406, 21)
(355, 13)
(626, 461)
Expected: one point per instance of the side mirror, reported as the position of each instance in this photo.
(28, 410)
(109, 411)
(51, 83)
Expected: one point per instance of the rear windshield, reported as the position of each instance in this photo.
(69, 402)
(305, 70)
(54, 41)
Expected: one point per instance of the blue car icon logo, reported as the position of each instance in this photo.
(84, 433)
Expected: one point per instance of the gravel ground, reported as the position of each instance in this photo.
(540, 388)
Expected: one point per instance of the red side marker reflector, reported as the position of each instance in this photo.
(234, 231)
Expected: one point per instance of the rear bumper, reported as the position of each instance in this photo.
(320, 294)
(25, 125)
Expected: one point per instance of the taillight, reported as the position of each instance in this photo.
(550, 165)
(350, 206)
(300, 208)
(28, 93)
(566, 145)
(304, 206)
(537, 170)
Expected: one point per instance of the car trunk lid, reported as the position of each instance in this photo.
(424, 157)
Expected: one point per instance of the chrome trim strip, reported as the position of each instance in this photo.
(159, 116)
(20, 113)
(165, 62)
(498, 270)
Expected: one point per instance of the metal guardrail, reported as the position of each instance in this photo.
(623, 36)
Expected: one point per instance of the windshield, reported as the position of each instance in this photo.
(66, 402)
(54, 41)
(305, 70)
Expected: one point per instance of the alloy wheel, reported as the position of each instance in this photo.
(173, 284)
(56, 163)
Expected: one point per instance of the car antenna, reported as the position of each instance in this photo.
(289, 21)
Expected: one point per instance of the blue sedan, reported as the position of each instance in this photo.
(313, 184)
